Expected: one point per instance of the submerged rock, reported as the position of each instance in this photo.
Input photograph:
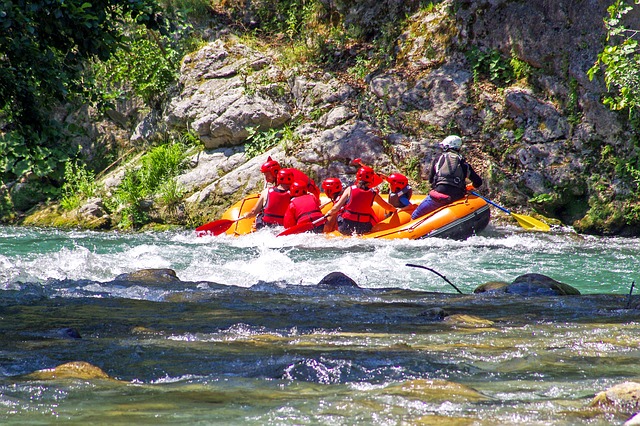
(529, 285)
(66, 333)
(539, 285)
(337, 279)
(623, 398)
(162, 275)
(71, 370)
(491, 286)
(435, 314)
(435, 390)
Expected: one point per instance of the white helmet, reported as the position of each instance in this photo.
(451, 142)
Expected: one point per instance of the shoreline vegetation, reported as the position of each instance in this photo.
(116, 131)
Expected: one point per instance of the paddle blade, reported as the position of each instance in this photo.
(216, 227)
(529, 223)
(302, 227)
(297, 229)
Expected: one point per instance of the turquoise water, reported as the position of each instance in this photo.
(591, 264)
(247, 337)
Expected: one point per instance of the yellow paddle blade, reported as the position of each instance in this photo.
(529, 223)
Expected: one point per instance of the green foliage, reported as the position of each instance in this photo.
(79, 185)
(288, 17)
(158, 167)
(259, 142)
(492, 65)
(362, 67)
(412, 168)
(574, 114)
(621, 62)
(26, 152)
(45, 45)
(149, 63)
(192, 9)
(6, 205)
(542, 198)
(170, 192)
(129, 195)
(520, 69)
(619, 166)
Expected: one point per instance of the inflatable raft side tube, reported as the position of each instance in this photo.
(464, 227)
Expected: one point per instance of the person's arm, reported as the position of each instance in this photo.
(290, 216)
(341, 202)
(382, 203)
(432, 171)
(258, 207)
(475, 179)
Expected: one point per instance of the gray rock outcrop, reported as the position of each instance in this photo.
(225, 91)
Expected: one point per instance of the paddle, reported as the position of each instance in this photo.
(215, 227)
(527, 222)
(302, 227)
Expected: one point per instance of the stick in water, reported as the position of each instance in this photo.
(633, 283)
(437, 273)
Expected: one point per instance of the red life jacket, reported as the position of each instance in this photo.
(276, 205)
(306, 208)
(358, 208)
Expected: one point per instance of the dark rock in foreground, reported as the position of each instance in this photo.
(337, 279)
(162, 275)
(530, 285)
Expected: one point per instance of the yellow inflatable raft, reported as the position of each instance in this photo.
(458, 220)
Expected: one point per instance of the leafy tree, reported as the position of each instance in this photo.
(44, 46)
(621, 61)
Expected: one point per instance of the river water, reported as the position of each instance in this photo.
(247, 337)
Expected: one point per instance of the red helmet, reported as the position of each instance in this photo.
(397, 181)
(298, 188)
(271, 166)
(331, 187)
(285, 177)
(365, 174)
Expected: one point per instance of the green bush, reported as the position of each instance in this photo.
(491, 65)
(148, 66)
(79, 185)
(259, 142)
(155, 176)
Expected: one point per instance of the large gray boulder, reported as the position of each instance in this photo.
(225, 91)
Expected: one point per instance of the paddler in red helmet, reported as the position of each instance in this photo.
(333, 189)
(358, 216)
(304, 207)
(399, 190)
(273, 202)
(270, 170)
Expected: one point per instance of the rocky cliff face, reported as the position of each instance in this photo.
(508, 76)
